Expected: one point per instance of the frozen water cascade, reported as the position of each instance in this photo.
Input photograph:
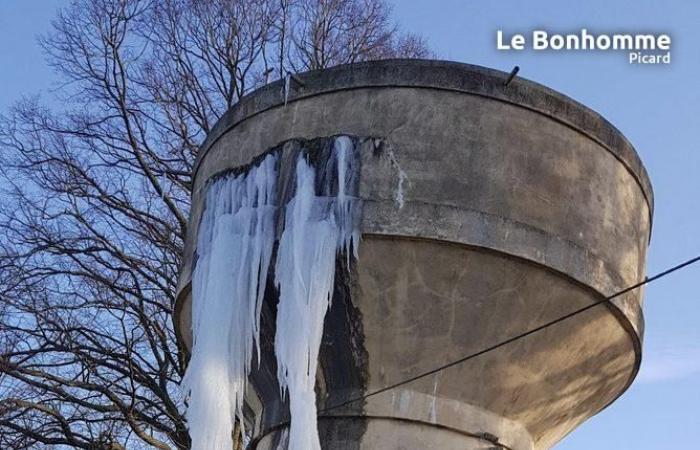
(235, 243)
(316, 229)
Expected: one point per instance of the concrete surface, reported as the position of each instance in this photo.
(521, 205)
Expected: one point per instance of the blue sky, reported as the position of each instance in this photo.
(656, 107)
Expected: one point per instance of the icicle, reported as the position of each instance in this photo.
(316, 230)
(433, 403)
(398, 195)
(347, 205)
(234, 247)
(287, 85)
(235, 240)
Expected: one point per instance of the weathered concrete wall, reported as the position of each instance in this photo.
(521, 205)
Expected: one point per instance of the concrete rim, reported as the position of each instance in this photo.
(624, 321)
(440, 75)
(281, 426)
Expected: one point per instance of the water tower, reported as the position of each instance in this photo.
(487, 210)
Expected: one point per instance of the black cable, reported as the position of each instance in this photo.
(515, 338)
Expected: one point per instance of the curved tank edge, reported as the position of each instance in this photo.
(442, 75)
(634, 331)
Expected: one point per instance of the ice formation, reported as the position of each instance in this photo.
(235, 243)
(316, 228)
(433, 402)
(398, 195)
(234, 246)
(287, 86)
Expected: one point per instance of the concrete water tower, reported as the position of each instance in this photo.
(488, 210)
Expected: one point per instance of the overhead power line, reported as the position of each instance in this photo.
(517, 337)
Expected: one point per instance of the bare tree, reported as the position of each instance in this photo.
(96, 197)
(331, 32)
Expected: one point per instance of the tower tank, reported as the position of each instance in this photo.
(488, 209)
